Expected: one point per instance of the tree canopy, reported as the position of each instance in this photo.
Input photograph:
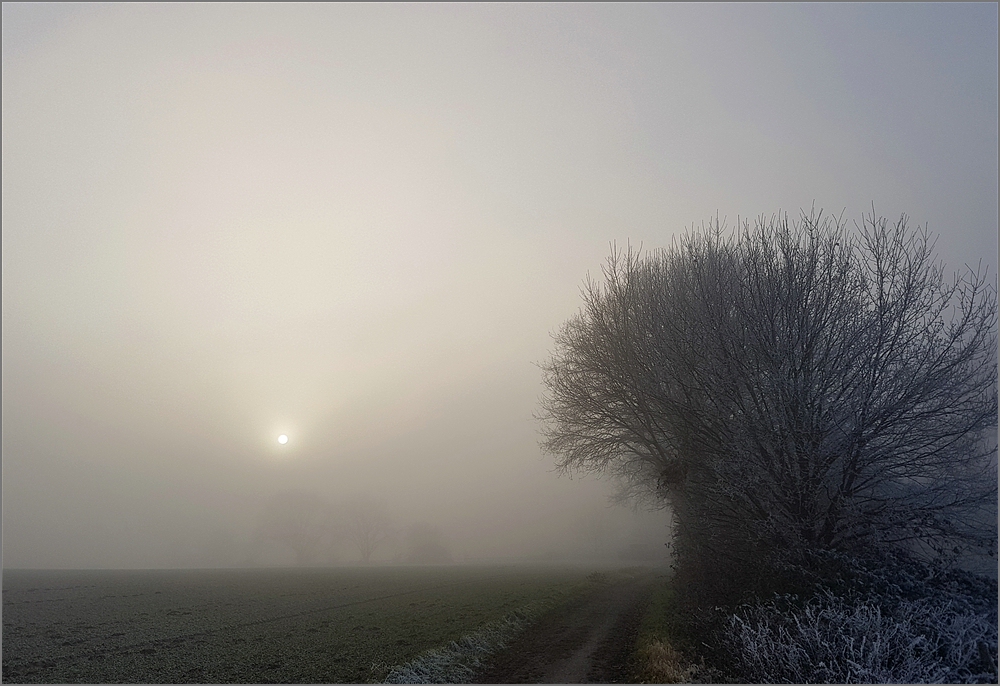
(788, 386)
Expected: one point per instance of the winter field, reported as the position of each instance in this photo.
(259, 625)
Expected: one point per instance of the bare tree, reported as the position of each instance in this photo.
(299, 521)
(366, 527)
(787, 386)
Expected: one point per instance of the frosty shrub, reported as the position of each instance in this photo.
(829, 639)
(890, 576)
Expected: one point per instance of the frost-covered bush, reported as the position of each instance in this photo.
(891, 576)
(836, 640)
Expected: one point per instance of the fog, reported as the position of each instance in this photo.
(358, 225)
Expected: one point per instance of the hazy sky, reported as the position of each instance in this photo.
(359, 224)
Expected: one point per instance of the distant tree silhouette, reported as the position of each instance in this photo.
(366, 526)
(298, 520)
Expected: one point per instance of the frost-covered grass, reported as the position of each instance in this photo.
(832, 640)
(457, 662)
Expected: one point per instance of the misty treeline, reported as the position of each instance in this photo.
(316, 531)
(817, 404)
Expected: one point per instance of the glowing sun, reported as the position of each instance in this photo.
(282, 439)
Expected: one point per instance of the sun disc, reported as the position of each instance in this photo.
(282, 439)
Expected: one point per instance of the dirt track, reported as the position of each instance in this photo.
(590, 640)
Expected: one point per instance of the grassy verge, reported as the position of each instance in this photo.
(657, 658)
(457, 662)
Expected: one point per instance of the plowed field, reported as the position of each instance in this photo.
(261, 626)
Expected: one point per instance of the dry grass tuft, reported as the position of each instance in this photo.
(660, 663)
